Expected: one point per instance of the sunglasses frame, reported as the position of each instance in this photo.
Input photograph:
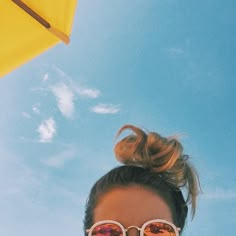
(141, 230)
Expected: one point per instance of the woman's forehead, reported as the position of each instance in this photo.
(131, 205)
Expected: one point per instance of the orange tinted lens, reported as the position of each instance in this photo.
(107, 229)
(160, 229)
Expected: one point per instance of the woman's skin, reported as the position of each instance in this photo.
(131, 205)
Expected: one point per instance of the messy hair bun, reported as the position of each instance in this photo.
(161, 155)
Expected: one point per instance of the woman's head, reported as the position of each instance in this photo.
(154, 165)
(132, 205)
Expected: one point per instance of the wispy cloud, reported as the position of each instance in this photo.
(47, 130)
(29, 192)
(80, 90)
(88, 92)
(74, 197)
(15, 176)
(60, 71)
(60, 159)
(175, 52)
(35, 108)
(67, 91)
(220, 194)
(45, 77)
(65, 99)
(106, 109)
(26, 115)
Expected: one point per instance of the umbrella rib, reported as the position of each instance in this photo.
(42, 21)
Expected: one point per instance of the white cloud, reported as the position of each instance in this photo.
(35, 109)
(47, 130)
(106, 109)
(84, 92)
(65, 99)
(88, 92)
(59, 71)
(174, 52)
(60, 159)
(26, 115)
(220, 194)
(45, 77)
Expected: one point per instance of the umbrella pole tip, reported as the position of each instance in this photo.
(59, 34)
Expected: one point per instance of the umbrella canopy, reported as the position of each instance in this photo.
(29, 27)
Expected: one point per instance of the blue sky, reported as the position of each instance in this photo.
(164, 65)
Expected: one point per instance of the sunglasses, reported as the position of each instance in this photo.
(150, 228)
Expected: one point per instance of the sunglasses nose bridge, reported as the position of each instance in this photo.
(135, 232)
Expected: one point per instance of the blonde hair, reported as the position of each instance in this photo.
(160, 155)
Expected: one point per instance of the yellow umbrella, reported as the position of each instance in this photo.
(29, 27)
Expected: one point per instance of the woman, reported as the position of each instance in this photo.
(143, 197)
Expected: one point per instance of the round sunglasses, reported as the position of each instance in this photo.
(155, 227)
